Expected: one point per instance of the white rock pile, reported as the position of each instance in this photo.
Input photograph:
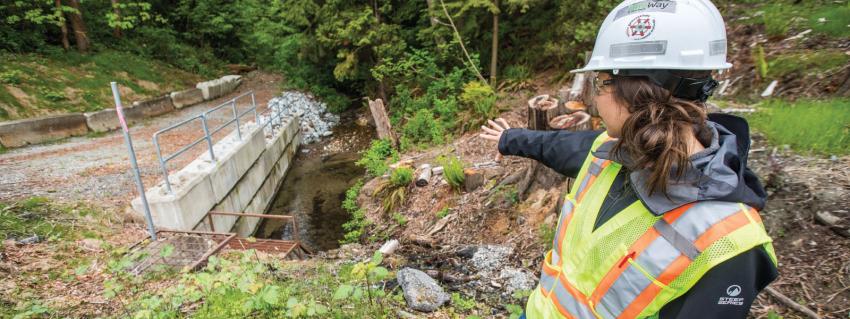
(316, 120)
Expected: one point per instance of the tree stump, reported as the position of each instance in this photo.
(541, 110)
(382, 121)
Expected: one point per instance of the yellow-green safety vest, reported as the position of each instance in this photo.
(636, 262)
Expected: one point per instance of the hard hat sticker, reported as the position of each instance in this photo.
(640, 27)
(646, 7)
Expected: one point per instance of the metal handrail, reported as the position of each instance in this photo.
(235, 117)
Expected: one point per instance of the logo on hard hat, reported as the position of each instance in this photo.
(640, 27)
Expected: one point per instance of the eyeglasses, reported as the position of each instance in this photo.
(599, 84)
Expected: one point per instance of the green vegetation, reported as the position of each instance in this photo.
(453, 171)
(810, 126)
(36, 216)
(832, 20)
(73, 82)
(356, 226)
(401, 177)
(546, 233)
(443, 213)
(376, 157)
(480, 97)
(421, 131)
(760, 61)
(242, 286)
(399, 219)
(807, 63)
(823, 17)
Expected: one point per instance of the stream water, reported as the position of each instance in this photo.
(315, 186)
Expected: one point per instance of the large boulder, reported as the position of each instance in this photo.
(421, 292)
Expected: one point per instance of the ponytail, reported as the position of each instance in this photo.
(656, 135)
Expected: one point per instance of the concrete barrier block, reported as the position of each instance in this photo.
(215, 88)
(102, 121)
(188, 97)
(39, 130)
(150, 108)
(184, 209)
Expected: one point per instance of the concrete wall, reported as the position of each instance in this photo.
(39, 130)
(187, 98)
(236, 182)
(44, 129)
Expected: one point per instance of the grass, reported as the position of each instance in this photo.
(806, 63)
(821, 127)
(64, 82)
(823, 17)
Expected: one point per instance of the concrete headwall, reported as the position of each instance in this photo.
(187, 97)
(235, 182)
(44, 129)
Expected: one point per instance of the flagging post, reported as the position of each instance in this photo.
(120, 111)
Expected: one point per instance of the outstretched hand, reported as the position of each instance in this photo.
(494, 132)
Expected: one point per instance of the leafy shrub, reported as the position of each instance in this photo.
(422, 130)
(375, 158)
(453, 171)
(356, 226)
(480, 97)
(11, 77)
(400, 219)
(52, 95)
(401, 176)
(443, 213)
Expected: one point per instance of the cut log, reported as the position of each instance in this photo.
(424, 175)
(382, 121)
(473, 180)
(541, 110)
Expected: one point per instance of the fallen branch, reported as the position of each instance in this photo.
(791, 303)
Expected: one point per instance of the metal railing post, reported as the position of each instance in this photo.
(236, 117)
(162, 165)
(207, 135)
(254, 105)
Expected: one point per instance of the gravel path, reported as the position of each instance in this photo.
(96, 169)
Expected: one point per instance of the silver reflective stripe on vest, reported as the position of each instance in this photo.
(685, 246)
(657, 257)
(625, 289)
(566, 211)
(661, 253)
(569, 303)
(702, 216)
(546, 281)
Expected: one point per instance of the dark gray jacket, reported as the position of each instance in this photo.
(718, 173)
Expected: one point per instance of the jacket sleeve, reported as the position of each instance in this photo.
(727, 290)
(563, 151)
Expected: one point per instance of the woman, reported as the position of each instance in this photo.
(662, 219)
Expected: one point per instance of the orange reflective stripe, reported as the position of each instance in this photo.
(637, 248)
(717, 231)
(562, 231)
(591, 177)
(721, 229)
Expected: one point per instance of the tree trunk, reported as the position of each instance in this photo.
(117, 31)
(63, 25)
(494, 60)
(433, 19)
(79, 26)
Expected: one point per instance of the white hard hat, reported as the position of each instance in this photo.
(661, 35)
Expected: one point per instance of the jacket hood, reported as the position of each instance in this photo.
(717, 173)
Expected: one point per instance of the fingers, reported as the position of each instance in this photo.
(489, 137)
(495, 125)
(490, 131)
(503, 122)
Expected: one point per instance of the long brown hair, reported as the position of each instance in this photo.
(655, 135)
